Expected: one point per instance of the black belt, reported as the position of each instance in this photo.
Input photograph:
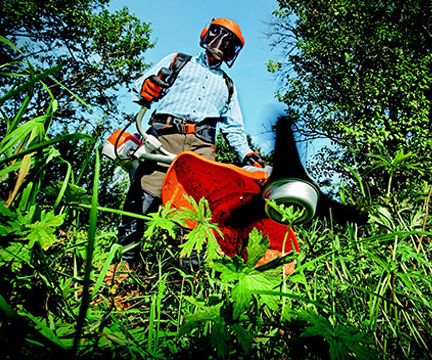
(164, 124)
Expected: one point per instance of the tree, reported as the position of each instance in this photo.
(359, 73)
(100, 51)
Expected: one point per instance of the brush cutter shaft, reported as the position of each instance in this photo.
(150, 144)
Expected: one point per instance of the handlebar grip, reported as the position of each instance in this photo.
(162, 76)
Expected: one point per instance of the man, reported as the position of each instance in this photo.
(189, 107)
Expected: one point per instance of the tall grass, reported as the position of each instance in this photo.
(356, 293)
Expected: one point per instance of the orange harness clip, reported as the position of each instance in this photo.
(189, 128)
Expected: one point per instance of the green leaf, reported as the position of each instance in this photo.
(245, 278)
(246, 287)
(204, 231)
(208, 313)
(214, 310)
(16, 251)
(220, 337)
(6, 309)
(43, 231)
(9, 223)
(73, 194)
(257, 247)
(165, 218)
(30, 83)
(46, 144)
(230, 268)
(343, 340)
(243, 336)
(20, 134)
(45, 330)
(289, 214)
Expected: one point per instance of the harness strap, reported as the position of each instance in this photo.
(178, 63)
(164, 124)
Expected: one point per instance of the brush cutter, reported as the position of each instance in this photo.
(128, 150)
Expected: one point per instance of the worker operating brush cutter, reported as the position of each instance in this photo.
(191, 96)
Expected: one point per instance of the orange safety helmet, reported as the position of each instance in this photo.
(223, 38)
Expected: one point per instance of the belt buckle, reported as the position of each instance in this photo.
(189, 128)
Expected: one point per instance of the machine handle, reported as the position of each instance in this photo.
(166, 156)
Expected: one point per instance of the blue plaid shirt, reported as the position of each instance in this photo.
(200, 92)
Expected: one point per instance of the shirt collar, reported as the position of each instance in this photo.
(202, 59)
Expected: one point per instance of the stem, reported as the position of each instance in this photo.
(88, 267)
(425, 219)
(283, 268)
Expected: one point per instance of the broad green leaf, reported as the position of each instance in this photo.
(257, 247)
(43, 231)
(251, 282)
(72, 194)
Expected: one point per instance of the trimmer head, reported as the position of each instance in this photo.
(299, 193)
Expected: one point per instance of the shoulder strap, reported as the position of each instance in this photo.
(178, 63)
(230, 85)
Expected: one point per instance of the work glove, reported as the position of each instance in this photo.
(152, 90)
(254, 159)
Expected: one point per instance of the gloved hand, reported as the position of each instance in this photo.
(152, 90)
(254, 159)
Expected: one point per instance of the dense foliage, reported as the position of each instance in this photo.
(93, 54)
(359, 72)
(101, 53)
(352, 292)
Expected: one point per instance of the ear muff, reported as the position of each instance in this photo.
(204, 32)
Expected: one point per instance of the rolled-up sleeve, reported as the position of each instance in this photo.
(232, 126)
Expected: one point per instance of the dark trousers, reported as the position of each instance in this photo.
(144, 193)
(130, 232)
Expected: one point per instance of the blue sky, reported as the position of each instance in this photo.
(176, 27)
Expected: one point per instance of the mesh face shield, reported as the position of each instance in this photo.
(222, 43)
